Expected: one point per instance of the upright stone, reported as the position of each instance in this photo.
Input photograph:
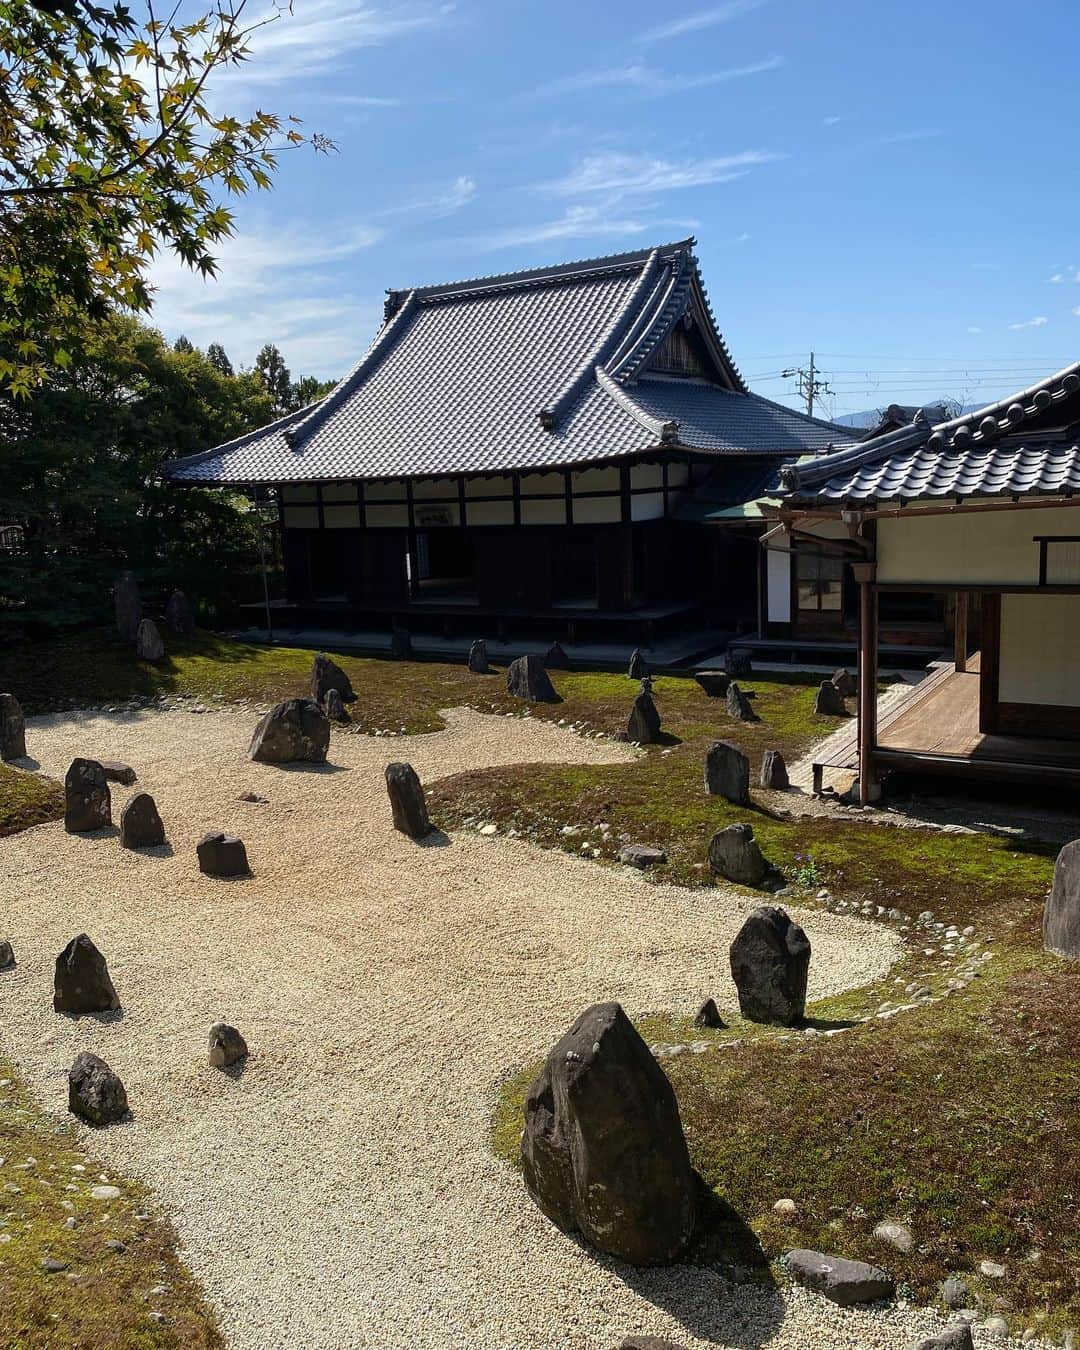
(140, 824)
(555, 658)
(638, 667)
(478, 658)
(401, 648)
(179, 614)
(737, 663)
(603, 1150)
(774, 772)
(334, 707)
(81, 982)
(738, 705)
(644, 724)
(727, 773)
(148, 643)
(1061, 916)
(94, 1092)
(87, 800)
(227, 1046)
(326, 674)
(528, 679)
(12, 728)
(222, 855)
(734, 855)
(829, 701)
(770, 960)
(407, 801)
(293, 731)
(845, 682)
(127, 604)
(7, 955)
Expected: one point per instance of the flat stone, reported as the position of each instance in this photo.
(786, 1208)
(774, 774)
(105, 1193)
(715, 683)
(727, 773)
(140, 823)
(992, 1270)
(956, 1337)
(407, 801)
(81, 981)
(641, 855)
(997, 1328)
(896, 1234)
(844, 1282)
(770, 961)
(95, 1093)
(227, 1046)
(87, 800)
(526, 678)
(222, 855)
(708, 1016)
(1061, 915)
(51, 1266)
(12, 728)
(735, 856)
(116, 771)
(148, 643)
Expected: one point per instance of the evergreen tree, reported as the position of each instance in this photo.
(183, 344)
(217, 357)
(307, 389)
(270, 366)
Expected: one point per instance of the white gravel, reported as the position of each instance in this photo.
(340, 1192)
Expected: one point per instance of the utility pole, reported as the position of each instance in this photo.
(809, 385)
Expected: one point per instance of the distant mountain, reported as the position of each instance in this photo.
(872, 416)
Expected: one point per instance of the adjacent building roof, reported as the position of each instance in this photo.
(1028, 444)
(548, 368)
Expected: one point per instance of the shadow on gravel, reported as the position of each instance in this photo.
(435, 838)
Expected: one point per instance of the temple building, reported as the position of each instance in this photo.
(568, 452)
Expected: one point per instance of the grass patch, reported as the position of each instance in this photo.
(102, 1297)
(27, 799)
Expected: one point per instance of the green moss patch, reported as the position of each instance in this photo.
(27, 799)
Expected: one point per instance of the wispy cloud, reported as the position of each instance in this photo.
(830, 121)
(1039, 321)
(903, 137)
(443, 203)
(613, 171)
(650, 82)
(974, 328)
(1076, 310)
(703, 18)
(581, 222)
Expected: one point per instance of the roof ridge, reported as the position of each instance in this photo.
(298, 434)
(666, 432)
(642, 339)
(612, 262)
(286, 419)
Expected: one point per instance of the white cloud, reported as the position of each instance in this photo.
(650, 82)
(1057, 277)
(460, 192)
(974, 329)
(1038, 322)
(581, 222)
(830, 121)
(705, 18)
(1076, 310)
(616, 172)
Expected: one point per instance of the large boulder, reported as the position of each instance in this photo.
(845, 1282)
(734, 855)
(603, 1150)
(738, 705)
(770, 960)
(829, 701)
(140, 824)
(727, 773)
(94, 1092)
(638, 668)
(527, 678)
(326, 674)
(295, 731)
(1061, 916)
(148, 643)
(774, 772)
(222, 855)
(179, 614)
(12, 728)
(407, 801)
(81, 982)
(644, 724)
(127, 604)
(478, 658)
(87, 800)
(714, 682)
(227, 1046)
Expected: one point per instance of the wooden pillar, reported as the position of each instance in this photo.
(960, 631)
(869, 789)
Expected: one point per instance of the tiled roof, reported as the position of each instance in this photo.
(1025, 444)
(523, 371)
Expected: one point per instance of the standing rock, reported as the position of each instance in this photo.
(956, 1337)
(845, 1282)
(774, 771)
(140, 824)
(478, 658)
(715, 683)
(87, 800)
(227, 1046)
(737, 662)
(407, 801)
(12, 728)
(116, 771)
(94, 1091)
(293, 731)
(555, 658)
(401, 648)
(335, 708)
(179, 614)
(638, 668)
(735, 856)
(738, 705)
(527, 678)
(770, 960)
(148, 643)
(644, 724)
(1061, 915)
(81, 983)
(222, 855)
(127, 604)
(603, 1150)
(708, 1015)
(845, 683)
(326, 674)
(7, 955)
(829, 701)
(727, 773)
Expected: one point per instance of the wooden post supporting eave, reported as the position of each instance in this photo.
(868, 664)
(960, 631)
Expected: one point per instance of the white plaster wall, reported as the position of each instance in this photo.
(986, 547)
(646, 506)
(341, 517)
(542, 513)
(489, 513)
(1040, 650)
(597, 510)
(778, 585)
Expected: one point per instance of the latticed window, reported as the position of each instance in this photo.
(819, 580)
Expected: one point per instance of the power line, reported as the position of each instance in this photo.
(808, 386)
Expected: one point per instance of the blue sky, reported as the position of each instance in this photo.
(892, 184)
